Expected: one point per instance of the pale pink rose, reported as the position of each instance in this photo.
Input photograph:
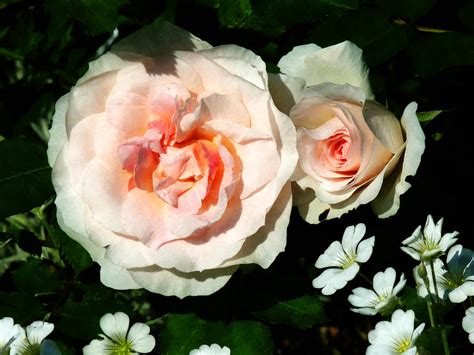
(171, 163)
(352, 150)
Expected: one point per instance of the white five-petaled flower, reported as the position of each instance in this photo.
(455, 280)
(8, 333)
(118, 339)
(468, 323)
(429, 244)
(29, 340)
(213, 349)
(396, 336)
(382, 298)
(342, 260)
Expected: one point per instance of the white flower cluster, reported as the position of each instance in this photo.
(15, 340)
(118, 338)
(437, 280)
(451, 279)
(342, 262)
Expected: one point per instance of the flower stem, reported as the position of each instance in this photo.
(430, 313)
(434, 280)
(365, 278)
(445, 340)
(443, 328)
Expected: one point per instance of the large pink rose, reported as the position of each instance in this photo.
(171, 163)
(352, 150)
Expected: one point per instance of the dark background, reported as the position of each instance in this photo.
(419, 51)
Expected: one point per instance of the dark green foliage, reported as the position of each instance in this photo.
(416, 50)
(302, 312)
(24, 177)
(185, 332)
(73, 253)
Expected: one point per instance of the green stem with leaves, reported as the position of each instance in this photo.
(437, 301)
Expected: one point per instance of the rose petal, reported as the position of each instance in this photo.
(388, 201)
(285, 90)
(341, 63)
(181, 284)
(89, 98)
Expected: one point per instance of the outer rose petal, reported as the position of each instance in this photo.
(286, 90)
(388, 201)
(170, 282)
(341, 64)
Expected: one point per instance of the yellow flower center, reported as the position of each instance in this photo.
(403, 346)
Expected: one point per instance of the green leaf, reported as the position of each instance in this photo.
(25, 176)
(22, 307)
(79, 318)
(97, 16)
(435, 52)
(236, 14)
(73, 253)
(466, 15)
(376, 35)
(425, 117)
(407, 9)
(430, 342)
(49, 347)
(35, 276)
(248, 337)
(285, 13)
(344, 4)
(185, 332)
(302, 312)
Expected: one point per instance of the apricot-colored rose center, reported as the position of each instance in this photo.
(180, 173)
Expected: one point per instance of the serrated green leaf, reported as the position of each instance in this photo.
(22, 307)
(73, 253)
(97, 16)
(185, 332)
(428, 116)
(236, 14)
(302, 312)
(25, 176)
(35, 277)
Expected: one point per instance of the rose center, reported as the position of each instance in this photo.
(338, 149)
(180, 171)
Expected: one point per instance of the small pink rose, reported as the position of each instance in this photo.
(171, 163)
(352, 150)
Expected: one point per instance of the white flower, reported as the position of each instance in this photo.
(343, 259)
(429, 244)
(455, 280)
(118, 339)
(213, 349)
(396, 336)
(8, 333)
(29, 340)
(468, 323)
(380, 300)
